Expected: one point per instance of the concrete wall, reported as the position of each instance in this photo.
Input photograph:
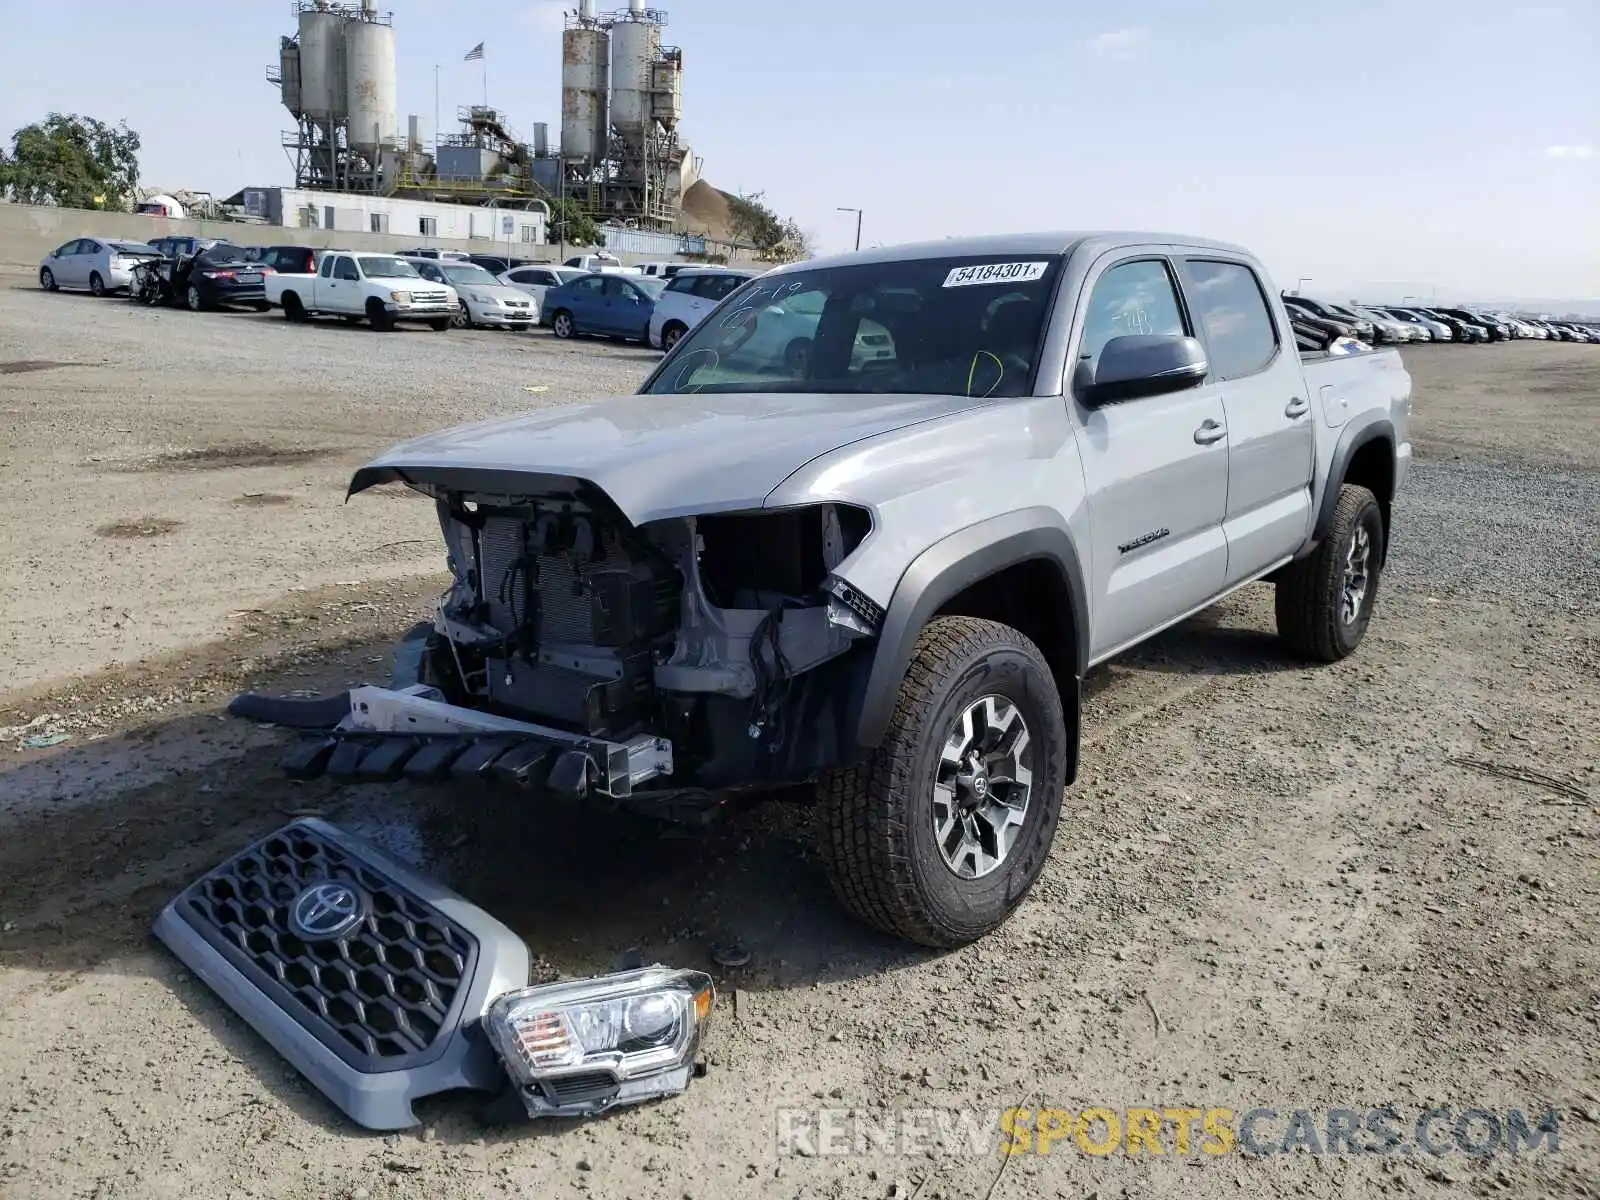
(27, 234)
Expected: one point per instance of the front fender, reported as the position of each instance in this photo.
(942, 572)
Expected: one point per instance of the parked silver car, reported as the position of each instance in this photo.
(102, 265)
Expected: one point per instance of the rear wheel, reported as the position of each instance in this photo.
(195, 301)
(97, 286)
(47, 279)
(293, 310)
(1324, 601)
(944, 830)
(672, 334)
(561, 324)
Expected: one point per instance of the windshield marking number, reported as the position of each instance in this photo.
(1013, 272)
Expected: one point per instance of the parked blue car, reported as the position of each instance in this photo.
(609, 305)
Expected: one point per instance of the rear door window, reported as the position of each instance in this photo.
(1241, 337)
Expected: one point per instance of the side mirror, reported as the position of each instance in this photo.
(1145, 364)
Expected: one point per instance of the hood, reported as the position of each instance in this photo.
(656, 456)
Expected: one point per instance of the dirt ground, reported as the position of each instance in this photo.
(1274, 887)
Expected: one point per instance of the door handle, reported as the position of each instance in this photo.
(1298, 407)
(1209, 432)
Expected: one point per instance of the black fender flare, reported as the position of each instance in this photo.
(949, 567)
(1355, 435)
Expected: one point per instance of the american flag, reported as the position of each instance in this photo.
(475, 53)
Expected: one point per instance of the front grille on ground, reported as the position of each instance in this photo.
(380, 996)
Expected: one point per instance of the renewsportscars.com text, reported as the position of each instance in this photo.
(1177, 1130)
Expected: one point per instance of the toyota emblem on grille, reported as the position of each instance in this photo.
(325, 911)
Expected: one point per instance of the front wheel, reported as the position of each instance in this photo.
(379, 317)
(1324, 601)
(195, 300)
(671, 336)
(47, 279)
(561, 325)
(944, 830)
(462, 318)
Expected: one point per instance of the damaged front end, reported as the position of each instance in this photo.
(587, 656)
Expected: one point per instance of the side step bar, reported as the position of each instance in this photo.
(368, 977)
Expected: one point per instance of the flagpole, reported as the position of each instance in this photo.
(485, 61)
(436, 108)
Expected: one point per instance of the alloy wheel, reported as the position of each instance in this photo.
(982, 788)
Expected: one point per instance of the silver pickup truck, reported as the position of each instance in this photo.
(872, 580)
(882, 579)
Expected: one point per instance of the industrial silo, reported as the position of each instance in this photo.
(322, 88)
(635, 47)
(371, 108)
(585, 56)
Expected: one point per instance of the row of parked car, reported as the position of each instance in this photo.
(1319, 324)
(588, 295)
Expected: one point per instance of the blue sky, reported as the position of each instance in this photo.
(1400, 146)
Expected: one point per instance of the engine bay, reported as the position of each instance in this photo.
(702, 630)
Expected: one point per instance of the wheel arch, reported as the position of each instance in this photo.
(1020, 568)
(1365, 456)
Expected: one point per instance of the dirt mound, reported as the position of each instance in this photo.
(706, 211)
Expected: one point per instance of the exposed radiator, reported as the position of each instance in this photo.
(566, 614)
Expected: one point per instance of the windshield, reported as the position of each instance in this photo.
(386, 267)
(931, 326)
(467, 273)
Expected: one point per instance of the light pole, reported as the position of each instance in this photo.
(857, 212)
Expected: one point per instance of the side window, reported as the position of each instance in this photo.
(682, 284)
(715, 287)
(615, 289)
(1130, 298)
(345, 268)
(1241, 338)
(89, 246)
(327, 268)
(589, 288)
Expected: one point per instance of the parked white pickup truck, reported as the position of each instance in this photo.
(380, 288)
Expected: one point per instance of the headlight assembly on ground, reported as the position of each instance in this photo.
(592, 1044)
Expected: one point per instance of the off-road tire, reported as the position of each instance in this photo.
(97, 285)
(1310, 591)
(293, 310)
(876, 820)
(561, 321)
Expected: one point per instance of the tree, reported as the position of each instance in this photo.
(569, 223)
(71, 161)
(774, 239)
